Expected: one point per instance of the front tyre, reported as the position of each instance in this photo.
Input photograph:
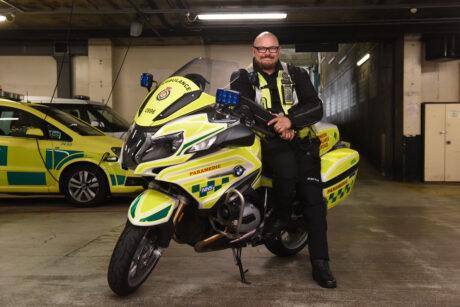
(288, 243)
(134, 257)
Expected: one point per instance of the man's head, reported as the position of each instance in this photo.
(266, 51)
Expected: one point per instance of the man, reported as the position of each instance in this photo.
(287, 92)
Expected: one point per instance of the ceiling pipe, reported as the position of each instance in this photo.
(246, 9)
(12, 6)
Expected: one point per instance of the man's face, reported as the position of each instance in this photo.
(266, 59)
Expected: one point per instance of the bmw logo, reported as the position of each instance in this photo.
(238, 170)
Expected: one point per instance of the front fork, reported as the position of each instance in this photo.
(177, 216)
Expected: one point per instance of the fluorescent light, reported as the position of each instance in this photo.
(363, 59)
(238, 16)
(2, 18)
(331, 60)
(342, 59)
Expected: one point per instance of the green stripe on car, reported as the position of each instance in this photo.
(26, 178)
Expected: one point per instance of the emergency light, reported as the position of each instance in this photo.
(147, 80)
(227, 98)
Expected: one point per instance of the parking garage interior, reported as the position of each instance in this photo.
(387, 72)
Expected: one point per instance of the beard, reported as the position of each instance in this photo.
(267, 65)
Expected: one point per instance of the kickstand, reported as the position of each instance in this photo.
(237, 255)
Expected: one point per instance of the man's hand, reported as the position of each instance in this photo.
(280, 123)
(287, 135)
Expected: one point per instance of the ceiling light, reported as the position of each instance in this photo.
(2, 18)
(342, 59)
(363, 59)
(239, 16)
(331, 60)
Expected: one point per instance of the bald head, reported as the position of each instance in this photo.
(265, 36)
(266, 51)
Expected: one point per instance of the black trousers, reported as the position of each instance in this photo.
(296, 173)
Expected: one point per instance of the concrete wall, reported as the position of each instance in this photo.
(161, 61)
(80, 84)
(360, 99)
(33, 75)
(379, 105)
(93, 75)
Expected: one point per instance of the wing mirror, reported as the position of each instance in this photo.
(34, 132)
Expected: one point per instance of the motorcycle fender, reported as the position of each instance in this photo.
(151, 208)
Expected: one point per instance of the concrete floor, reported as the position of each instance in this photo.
(390, 244)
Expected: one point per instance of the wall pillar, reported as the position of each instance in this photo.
(100, 68)
(412, 102)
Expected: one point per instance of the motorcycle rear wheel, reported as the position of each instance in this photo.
(288, 243)
(134, 257)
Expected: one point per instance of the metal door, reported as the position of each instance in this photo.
(452, 142)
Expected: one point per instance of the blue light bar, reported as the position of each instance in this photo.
(227, 97)
(146, 80)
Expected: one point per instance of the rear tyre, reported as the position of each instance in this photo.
(135, 256)
(288, 243)
(84, 185)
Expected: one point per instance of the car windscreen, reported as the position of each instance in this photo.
(116, 122)
(69, 121)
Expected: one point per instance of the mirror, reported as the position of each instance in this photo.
(97, 124)
(35, 132)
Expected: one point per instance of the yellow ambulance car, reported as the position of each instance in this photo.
(44, 150)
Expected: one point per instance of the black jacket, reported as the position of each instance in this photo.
(307, 112)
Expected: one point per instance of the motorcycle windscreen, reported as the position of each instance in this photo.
(338, 174)
(151, 208)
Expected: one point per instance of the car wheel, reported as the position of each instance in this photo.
(84, 185)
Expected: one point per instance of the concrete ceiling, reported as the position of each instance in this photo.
(173, 21)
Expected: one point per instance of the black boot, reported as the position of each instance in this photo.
(322, 274)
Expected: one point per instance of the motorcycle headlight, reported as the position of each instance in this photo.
(158, 147)
(203, 145)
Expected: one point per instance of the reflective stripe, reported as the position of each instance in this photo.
(263, 97)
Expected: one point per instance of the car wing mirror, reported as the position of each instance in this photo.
(34, 132)
(97, 124)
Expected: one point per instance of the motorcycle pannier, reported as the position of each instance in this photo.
(338, 174)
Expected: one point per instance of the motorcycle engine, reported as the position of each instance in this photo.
(229, 213)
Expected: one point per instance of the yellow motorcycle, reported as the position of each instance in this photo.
(201, 157)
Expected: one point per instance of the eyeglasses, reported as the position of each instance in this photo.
(272, 49)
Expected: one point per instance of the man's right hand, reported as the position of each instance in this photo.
(287, 135)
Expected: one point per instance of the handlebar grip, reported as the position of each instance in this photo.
(266, 132)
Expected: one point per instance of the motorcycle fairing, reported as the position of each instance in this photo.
(207, 178)
(165, 96)
(196, 128)
(338, 174)
(151, 208)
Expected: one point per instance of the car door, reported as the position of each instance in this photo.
(22, 157)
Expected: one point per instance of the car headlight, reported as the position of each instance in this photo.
(116, 151)
(158, 147)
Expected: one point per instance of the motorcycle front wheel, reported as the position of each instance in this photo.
(134, 257)
(288, 243)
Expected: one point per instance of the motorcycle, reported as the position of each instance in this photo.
(201, 157)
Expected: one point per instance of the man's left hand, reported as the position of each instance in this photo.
(280, 123)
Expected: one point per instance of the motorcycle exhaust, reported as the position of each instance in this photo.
(200, 247)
